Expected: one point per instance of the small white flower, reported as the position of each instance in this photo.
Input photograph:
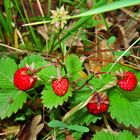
(59, 17)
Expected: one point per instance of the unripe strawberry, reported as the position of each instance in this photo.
(60, 86)
(98, 104)
(23, 79)
(127, 81)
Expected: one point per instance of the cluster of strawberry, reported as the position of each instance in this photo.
(24, 79)
(127, 81)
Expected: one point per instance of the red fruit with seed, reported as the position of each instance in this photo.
(127, 81)
(60, 86)
(23, 79)
(98, 104)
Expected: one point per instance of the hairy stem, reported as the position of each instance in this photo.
(107, 123)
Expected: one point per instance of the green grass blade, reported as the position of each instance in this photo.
(49, 7)
(102, 9)
(109, 7)
(4, 24)
(8, 14)
(1, 35)
(19, 10)
(35, 38)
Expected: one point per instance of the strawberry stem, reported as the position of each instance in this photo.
(58, 71)
(39, 69)
(107, 123)
(86, 82)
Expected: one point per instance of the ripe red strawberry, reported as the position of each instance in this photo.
(98, 104)
(60, 87)
(127, 81)
(23, 78)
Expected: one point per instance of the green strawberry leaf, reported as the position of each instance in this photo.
(7, 70)
(111, 40)
(125, 106)
(102, 135)
(11, 101)
(73, 66)
(78, 128)
(138, 77)
(57, 123)
(77, 135)
(83, 117)
(38, 61)
(48, 72)
(99, 83)
(125, 135)
(50, 99)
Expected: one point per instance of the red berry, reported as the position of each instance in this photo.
(23, 79)
(98, 104)
(60, 87)
(127, 81)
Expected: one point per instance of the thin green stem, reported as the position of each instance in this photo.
(63, 65)
(59, 42)
(29, 97)
(39, 69)
(86, 82)
(58, 71)
(54, 40)
(48, 135)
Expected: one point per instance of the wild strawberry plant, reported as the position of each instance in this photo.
(86, 99)
(72, 98)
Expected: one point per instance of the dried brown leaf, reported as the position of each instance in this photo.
(31, 130)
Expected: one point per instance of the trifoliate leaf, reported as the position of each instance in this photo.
(7, 70)
(84, 117)
(50, 99)
(73, 66)
(78, 128)
(125, 135)
(123, 108)
(11, 101)
(37, 60)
